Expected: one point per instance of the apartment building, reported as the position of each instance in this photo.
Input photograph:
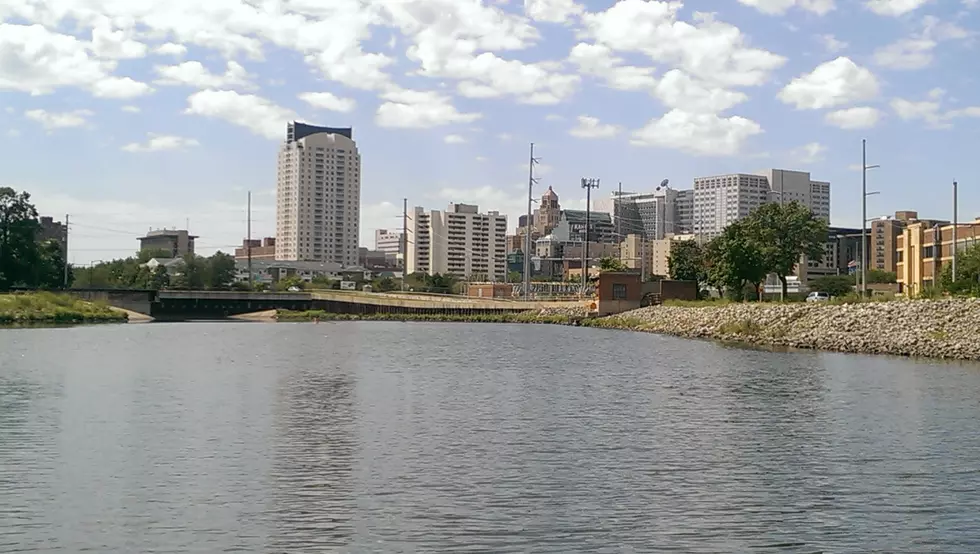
(651, 214)
(650, 256)
(885, 232)
(721, 200)
(925, 247)
(176, 242)
(388, 241)
(258, 249)
(318, 195)
(460, 241)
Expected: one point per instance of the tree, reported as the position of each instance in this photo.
(220, 271)
(734, 260)
(49, 269)
(18, 229)
(514, 277)
(834, 285)
(881, 276)
(785, 233)
(686, 262)
(611, 264)
(160, 279)
(967, 273)
(385, 284)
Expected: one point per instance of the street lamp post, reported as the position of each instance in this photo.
(864, 215)
(954, 232)
(588, 185)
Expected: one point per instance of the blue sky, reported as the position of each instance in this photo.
(136, 114)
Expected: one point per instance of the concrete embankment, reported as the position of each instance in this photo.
(948, 328)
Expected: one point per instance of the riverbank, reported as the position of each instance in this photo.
(518, 317)
(50, 308)
(947, 328)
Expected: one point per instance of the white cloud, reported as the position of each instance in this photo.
(416, 109)
(677, 90)
(779, 7)
(170, 49)
(698, 134)
(706, 49)
(552, 11)
(115, 44)
(328, 101)
(863, 117)
(554, 117)
(809, 153)
(916, 51)
(591, 128)
(130, 109)
(255, 113)
(156, 143)
(38, 61)
(454, 139)
(832, 44)
(831, 84)
(599, 61)
(894, 8)
(194, 74)
(59, 120)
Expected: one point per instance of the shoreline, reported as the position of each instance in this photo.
(946, 329)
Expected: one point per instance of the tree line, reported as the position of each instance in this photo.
(192, 272)
(771, 240)
(25, 260)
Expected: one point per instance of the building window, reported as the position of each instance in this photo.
(927, 252)
(619, 291)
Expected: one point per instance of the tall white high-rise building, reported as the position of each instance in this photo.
(723, 199)
(459, 241)
(318, 195)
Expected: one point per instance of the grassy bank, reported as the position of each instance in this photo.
(521, 317)
(50, 308)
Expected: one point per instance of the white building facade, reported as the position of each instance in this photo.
(388, 241)
(653, 215)
(721, 200)
(318, 195)
(459, 241)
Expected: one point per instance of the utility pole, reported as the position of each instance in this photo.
(66, 252)
(404, 241)
(527, 229)
(955, 209)
(248, 241)
(588, 185)
(864, 217)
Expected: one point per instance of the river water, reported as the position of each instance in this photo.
(425, 437)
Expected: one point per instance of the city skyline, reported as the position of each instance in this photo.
(159, 124)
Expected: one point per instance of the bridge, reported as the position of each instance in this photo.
(180, 305)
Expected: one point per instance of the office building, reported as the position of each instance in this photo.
(548, 213)
(572, 223)
(388, 241)
(175, 243)
(926, 247)
(459, 241)
(884, 233)
(721, 200)
(318, 195)
(264, 249)
(53, 230)
(653, 215)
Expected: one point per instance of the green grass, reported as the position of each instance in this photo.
(47, 307)
(520, 317)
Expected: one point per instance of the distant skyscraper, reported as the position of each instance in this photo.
(723, 199)
(318, 195)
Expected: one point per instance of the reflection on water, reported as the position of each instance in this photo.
(388, 437)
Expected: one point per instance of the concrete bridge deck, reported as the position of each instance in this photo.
(181, 305)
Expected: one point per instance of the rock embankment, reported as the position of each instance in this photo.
(948, 328)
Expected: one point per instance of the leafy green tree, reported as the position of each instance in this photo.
(611, 264)
(18, 229)
(514, 277)
(881, 276)
(220, 271)
(686, 262)
(834, 285)
(785, 233)
(967, 273)
(148, 254)
(160, 279)
(49, 269)
(735, 262)
(385, 284)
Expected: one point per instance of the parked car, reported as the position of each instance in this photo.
(818, 297)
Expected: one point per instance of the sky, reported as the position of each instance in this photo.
(138, 114)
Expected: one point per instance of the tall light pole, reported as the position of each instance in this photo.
(588, 185)
(527, 228)
(954, 232)
(864, 215)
